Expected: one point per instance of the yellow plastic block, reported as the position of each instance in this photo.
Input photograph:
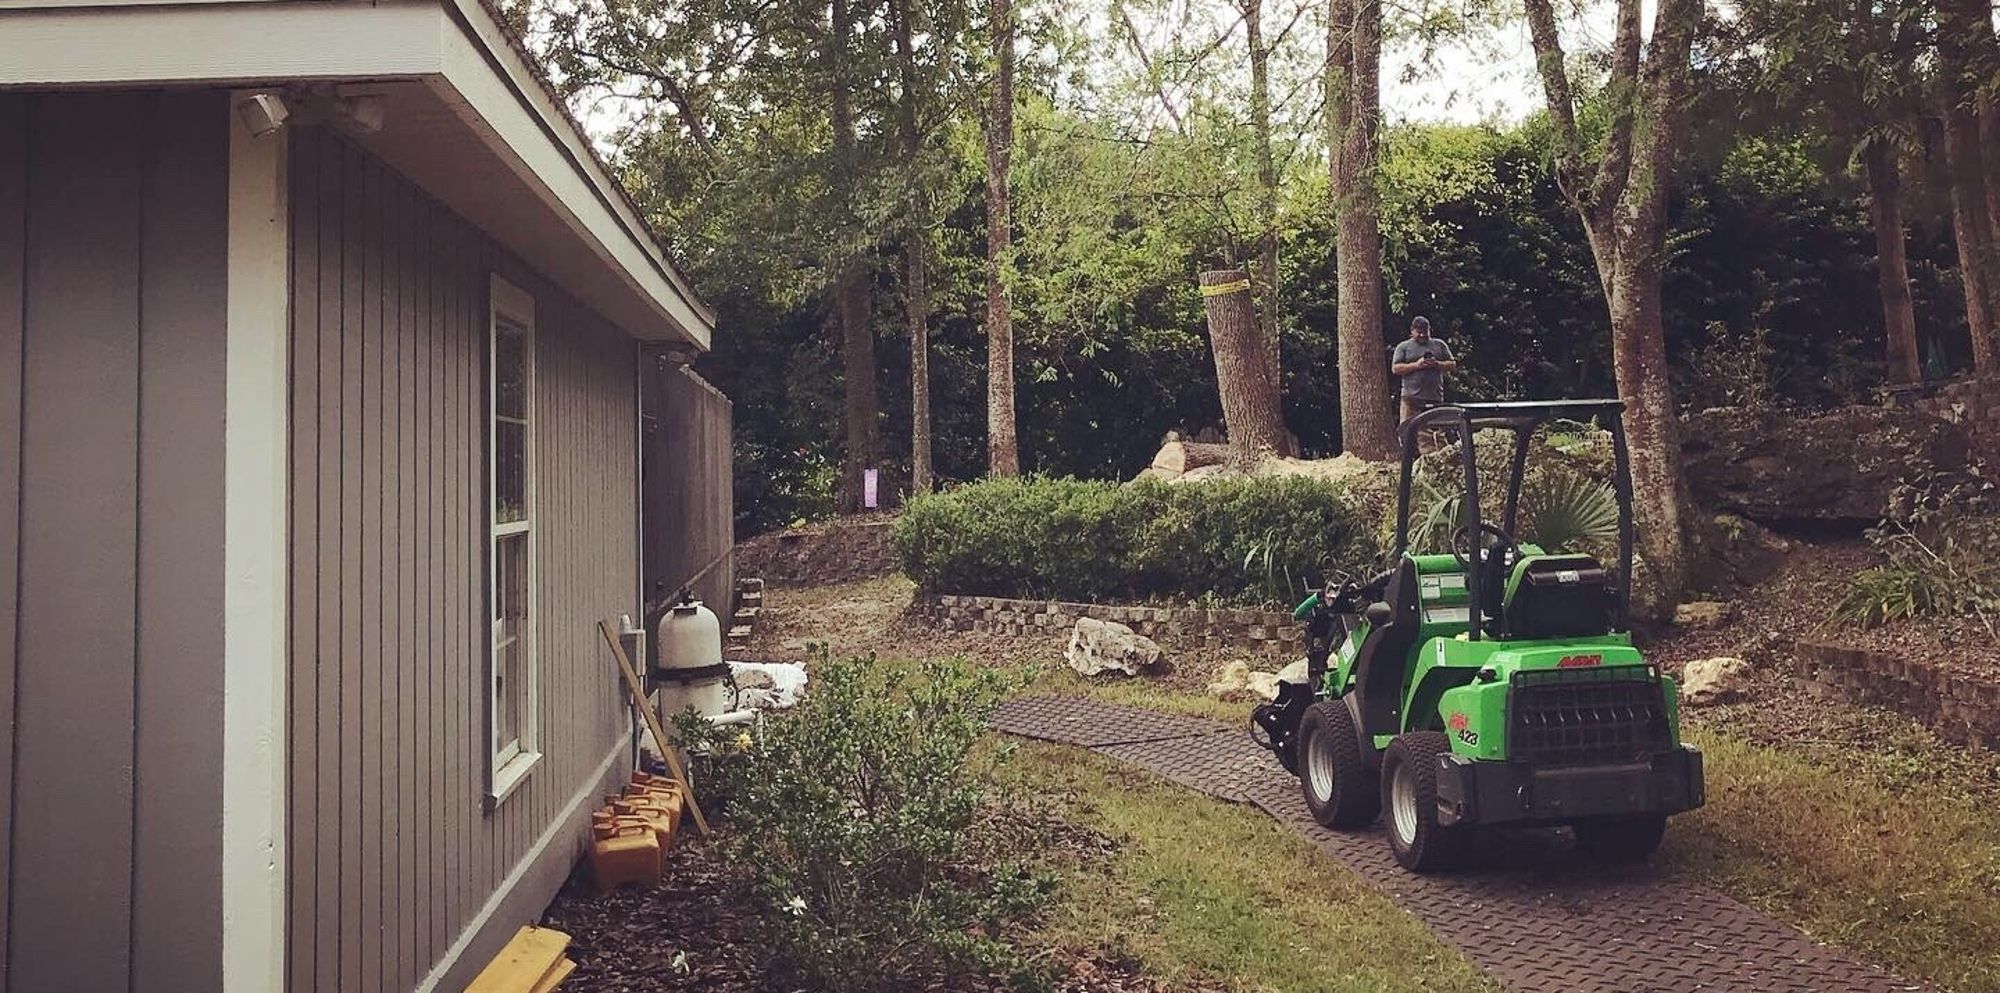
(522, 965)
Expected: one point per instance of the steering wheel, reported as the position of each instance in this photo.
(1500, 541)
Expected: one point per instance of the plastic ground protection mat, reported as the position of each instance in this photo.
(1533, 916)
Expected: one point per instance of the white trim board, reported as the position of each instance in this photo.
(453, 46)
(254, 563)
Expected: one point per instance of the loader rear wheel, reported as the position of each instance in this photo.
(1620, 839)
(1409, 791)
(1340, 789)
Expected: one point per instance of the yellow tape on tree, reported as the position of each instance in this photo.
(1223, 289)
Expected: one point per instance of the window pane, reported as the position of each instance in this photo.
(510, 635)
(510, 369)
(510, 472)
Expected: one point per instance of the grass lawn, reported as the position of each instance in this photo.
(1212, 895)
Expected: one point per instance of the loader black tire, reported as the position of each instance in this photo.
(1632, 838)
(1340, 789)
(1409, 794)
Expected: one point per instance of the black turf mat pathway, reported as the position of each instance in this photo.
(1535, 919)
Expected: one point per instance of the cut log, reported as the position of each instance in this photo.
(1177, 457)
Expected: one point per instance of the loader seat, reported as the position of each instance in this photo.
(1560, 596)
(1380, 665)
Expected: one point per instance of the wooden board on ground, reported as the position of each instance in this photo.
(524, 965)
(557, 973)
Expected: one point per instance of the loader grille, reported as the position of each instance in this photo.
(1561, 717)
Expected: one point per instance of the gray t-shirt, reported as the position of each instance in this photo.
(1427, 384)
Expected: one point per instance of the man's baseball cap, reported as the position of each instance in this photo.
(1421, 322)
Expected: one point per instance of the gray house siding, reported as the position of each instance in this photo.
(113, 221)
(392, 852)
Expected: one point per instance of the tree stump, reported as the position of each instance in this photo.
(1250, 405)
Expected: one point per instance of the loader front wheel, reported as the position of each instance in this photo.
(1340, 789)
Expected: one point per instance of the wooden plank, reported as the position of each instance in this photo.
(13, 241)
(435, 805)
(373, 702)
(555, 977)
(523, 963)
(354, 581)
(302, 823)
(72, 837)
(461, 792)
(410, 616)
(391, 690)
(177, 848)
(332, 562)
(660, 743)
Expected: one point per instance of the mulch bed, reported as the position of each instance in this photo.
(694, 932)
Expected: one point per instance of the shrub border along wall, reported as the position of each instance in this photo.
(1961, 707)
(1269, 631)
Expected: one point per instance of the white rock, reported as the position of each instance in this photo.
(1231, 679)
(1264, 685)
(1097, 647)
(1294, 673)
(1715, 680)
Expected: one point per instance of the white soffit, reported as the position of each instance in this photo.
(454, 47)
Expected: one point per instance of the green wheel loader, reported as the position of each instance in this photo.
(1496, 685)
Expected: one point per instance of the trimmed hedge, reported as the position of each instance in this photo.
(1242, 540)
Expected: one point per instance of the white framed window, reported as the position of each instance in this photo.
(512, 690)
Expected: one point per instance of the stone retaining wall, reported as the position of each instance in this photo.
(838, 551)
(1960, 707)
(1267, 631)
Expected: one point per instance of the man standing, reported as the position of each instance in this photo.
(1421, 361)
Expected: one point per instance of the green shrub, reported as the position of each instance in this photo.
(859, 826)
(1250, 540)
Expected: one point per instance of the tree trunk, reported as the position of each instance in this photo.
(1266, 271)
(1622, 203)
(852, 293)
(1969, 225)
(1885, 212)
(1965, 33)
(1249, 398)
(1354, 115)
(1003, 452)
(916, 288)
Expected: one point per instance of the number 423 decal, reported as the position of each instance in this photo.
(1460, 724)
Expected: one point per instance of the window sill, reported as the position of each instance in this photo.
(509, 778)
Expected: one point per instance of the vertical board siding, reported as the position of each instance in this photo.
(113, 235)
(13, 244)
(180, 516)
(389, 606)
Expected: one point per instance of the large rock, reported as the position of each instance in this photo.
(1838, 466)
(1097, 647)
(1716, 680)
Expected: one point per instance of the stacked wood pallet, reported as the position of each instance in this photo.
(533, 962)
